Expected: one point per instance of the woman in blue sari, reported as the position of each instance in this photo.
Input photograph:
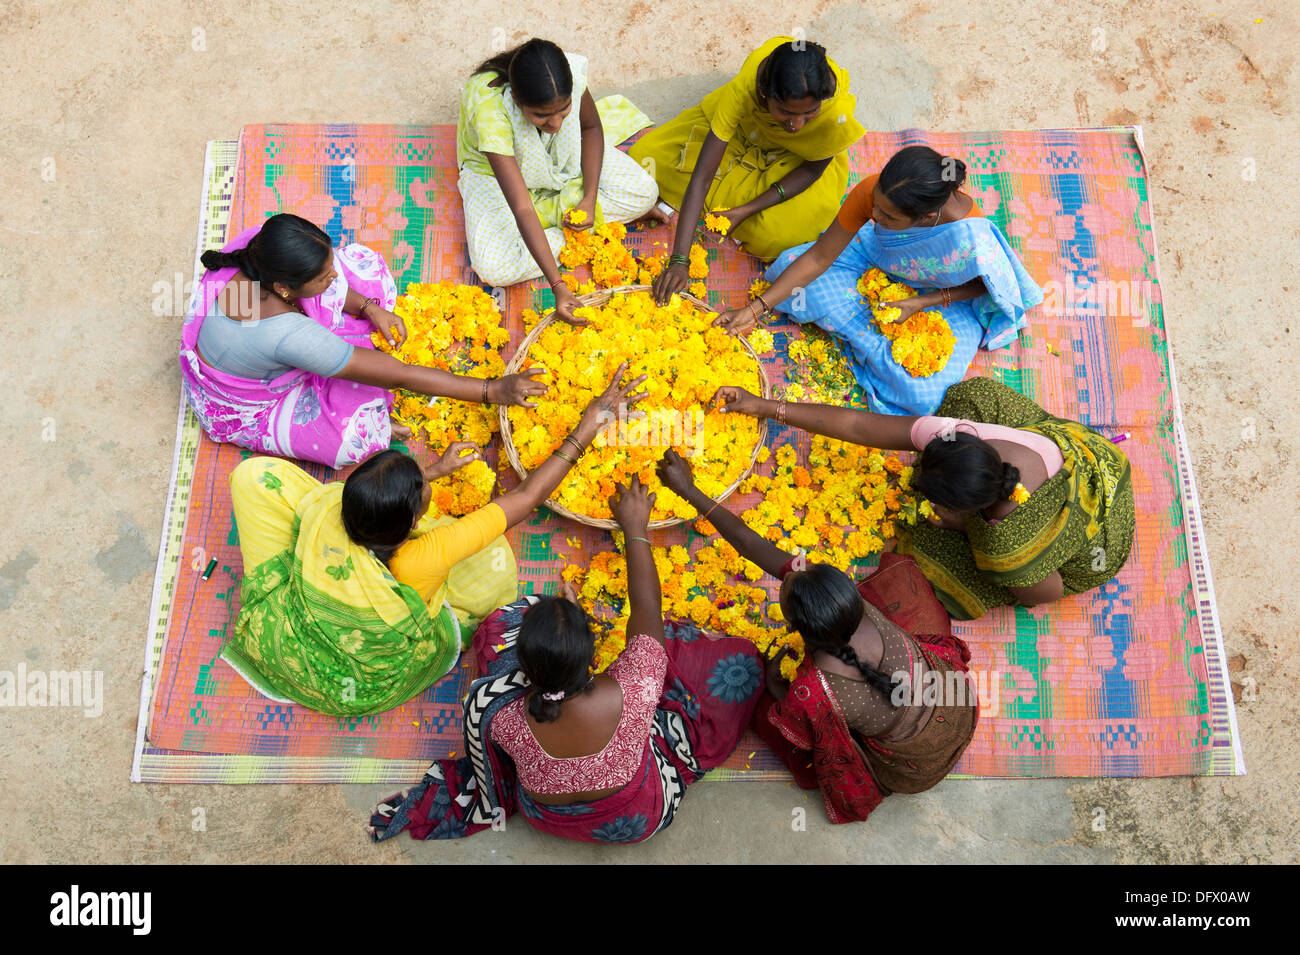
(914, 223)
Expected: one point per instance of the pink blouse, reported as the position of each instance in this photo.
(640, 672)
(928, 427)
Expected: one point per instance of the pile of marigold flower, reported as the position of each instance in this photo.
(923, 344)
(456, 328)
(842, 507)
(686, 360)
(613, 264)
(602, 249)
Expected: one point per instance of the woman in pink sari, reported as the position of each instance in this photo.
(276, 353)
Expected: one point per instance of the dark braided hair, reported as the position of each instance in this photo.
(964, 473)
(824, 605)
(537, 71)
(555, 647)
(381, 499)
(791, 74)
(919, 180)
(289, 250)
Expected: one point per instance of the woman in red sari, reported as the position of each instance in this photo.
(881, 703)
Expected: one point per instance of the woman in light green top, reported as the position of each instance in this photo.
(529, 161)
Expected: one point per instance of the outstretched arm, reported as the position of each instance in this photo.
(676, 475)
(887, 431)
(511, 180)
(538, 486)
(631, 506)
(801, 273)
(674, 278)
(370, 367)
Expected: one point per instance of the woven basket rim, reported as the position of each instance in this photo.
(600, 297)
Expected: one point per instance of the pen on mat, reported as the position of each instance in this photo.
(1122, 436)
(212, 565)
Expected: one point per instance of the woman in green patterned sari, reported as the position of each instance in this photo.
(1028, 507)
(354, 593)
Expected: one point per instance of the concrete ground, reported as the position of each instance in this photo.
(106, 110)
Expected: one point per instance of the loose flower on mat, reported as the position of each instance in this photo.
(923, 344)
(602, 249)
(719, 224)
(686, 360)
(456, 328)
(840, 504)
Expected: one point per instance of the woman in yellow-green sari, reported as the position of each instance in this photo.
(354, 593)
(767, 151)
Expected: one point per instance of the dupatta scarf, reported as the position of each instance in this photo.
(944, 256)
(325, 624)
(297, 414)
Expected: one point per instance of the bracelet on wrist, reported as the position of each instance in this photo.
(361, 312)
(629, 540)
(679, 258)
(564, 457)
(705, 515)
(484, 399)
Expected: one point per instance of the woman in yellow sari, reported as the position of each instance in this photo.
(767, 151)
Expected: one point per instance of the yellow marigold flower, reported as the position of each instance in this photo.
(699, 262)
(577, 216)
(718, 224)
(923, 344)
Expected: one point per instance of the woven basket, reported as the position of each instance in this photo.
(597, 299)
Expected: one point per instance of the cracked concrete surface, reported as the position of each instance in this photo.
(106, 112)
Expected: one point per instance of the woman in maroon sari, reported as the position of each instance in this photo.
(597, 759)
(882, 702)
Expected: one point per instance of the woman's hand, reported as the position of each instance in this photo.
(731, 398)
(603, 409)
(735, 216)
(587, 205)
(947, 518)
(739, 321)
(516, 389)
(907, 308)
(631, 505)
(671, 280)
(675, 473)
(388, 324)
(565, 303)
(777, 685)
(451, 460)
